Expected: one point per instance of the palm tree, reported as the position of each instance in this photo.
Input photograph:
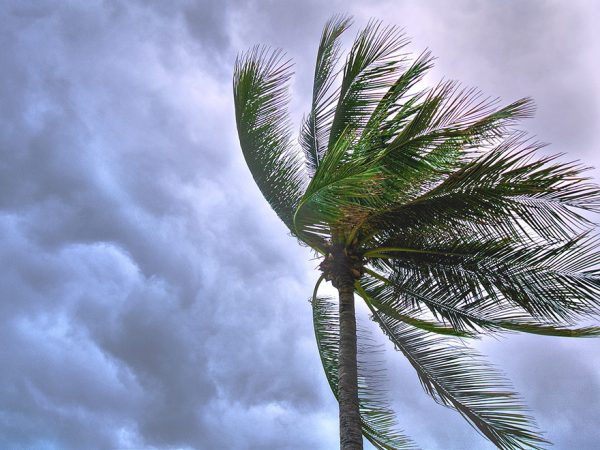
(431, 207)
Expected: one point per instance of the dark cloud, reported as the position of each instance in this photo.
(150, 297)
(147, 297)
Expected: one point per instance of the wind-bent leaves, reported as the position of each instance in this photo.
(378, 420)
(260, 94)
(420, 298)
(371, 68)
(455, 376)
(388, 114)
(559, 283)
(505, 188)
(405, 314)
(341, 189)
(314, 135)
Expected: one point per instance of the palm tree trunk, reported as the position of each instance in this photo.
(350, 424)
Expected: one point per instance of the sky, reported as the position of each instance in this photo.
(149, 296)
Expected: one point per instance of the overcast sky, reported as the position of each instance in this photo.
(149, 297)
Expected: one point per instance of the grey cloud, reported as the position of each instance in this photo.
(129, 320)
(561, 383)
(515, 49)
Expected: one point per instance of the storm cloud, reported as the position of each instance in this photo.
(149, 296)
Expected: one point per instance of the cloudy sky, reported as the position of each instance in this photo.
(150, 298)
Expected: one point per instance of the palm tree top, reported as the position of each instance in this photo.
(442, 216)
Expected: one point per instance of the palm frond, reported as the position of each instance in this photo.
(558, 283)
(314, 135)
(395, 105)
(505, 188)
(342, 188)
(370, 70)
(405, 314)
(378, 420)
(423, 298)
(260, 93)
(433, 135)
(452, 111)
(455, 376)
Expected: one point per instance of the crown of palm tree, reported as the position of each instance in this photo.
(451, 222)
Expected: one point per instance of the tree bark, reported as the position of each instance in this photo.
(350, 424)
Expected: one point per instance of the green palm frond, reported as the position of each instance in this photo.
(260, 95)
(342, 188)
(406, 314)
(558, 283)
(505, 188)
(314, 135)
(378, 420)
(424, 298)
(456, 376)
(447, 130)
(396, 105)
(450, 112)
(430, 147)
(371, 68)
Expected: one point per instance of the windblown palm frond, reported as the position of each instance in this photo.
(505, 188)
(414, 301)
(455, 376)
(560, 282)
(314, 135)
(260, 95)
(428, 204)
(372, 65)
(373, 293)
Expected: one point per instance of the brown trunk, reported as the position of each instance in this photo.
(350, 424)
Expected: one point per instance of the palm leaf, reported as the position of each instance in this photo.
(455, 376)
(314, 135)
(558, 283)
(396, 105)
(417, 298)
(343, 188)
(260, 84)
(371, 68)
(405, 314)
(504, 189)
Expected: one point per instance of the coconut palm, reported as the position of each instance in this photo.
(432, 208)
